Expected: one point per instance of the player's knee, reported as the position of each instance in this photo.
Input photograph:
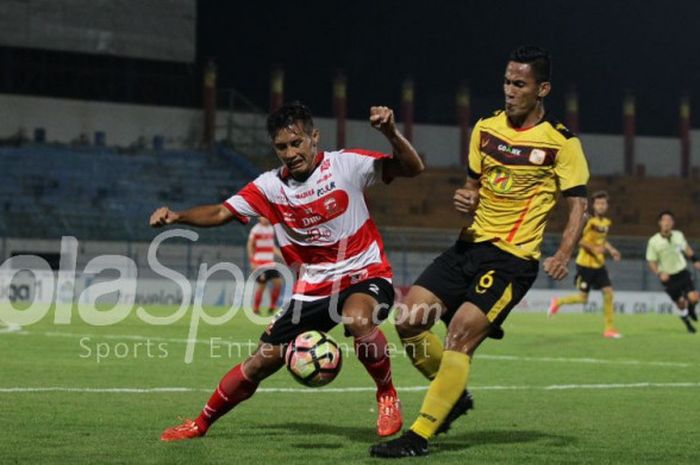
(693, 297)
(414, 316)
(467, 329)
(358, 323)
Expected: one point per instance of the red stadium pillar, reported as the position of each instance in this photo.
(629, 132)
(685, 136)
(572, 110)
(276, 88)
(463, 114)
(407, 109)
(209, 106)
(340, 108)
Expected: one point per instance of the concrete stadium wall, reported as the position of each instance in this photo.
(124, 124)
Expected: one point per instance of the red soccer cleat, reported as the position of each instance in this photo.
(553, 307)
(611, 334)
(188, 429)
(389, 420)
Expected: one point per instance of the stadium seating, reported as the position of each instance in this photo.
(426, 201)
(101, 194)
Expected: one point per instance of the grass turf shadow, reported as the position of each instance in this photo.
(448, 442)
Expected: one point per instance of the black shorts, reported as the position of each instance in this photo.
(481, 273)
(267, 275)
(679, 284)
(321, 315)
(591, 278)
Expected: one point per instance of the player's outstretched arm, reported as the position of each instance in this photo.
(556, 265)
(204, 216)
(406, 162)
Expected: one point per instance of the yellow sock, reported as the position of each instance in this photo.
(443, 392)
(572, 299)
(425, 351)
(608, 310)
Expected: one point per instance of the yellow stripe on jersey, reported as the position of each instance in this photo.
(521, 174)
(594, 233)
(501, 303)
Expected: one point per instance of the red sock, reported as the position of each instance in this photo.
(274, 295)
(257, 299)
(233, 389)
(372, 353)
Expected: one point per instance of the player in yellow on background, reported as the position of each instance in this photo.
(591, 272)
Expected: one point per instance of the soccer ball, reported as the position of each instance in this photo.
(313, 358)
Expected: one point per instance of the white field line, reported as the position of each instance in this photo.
(594, 361)
(223, 341)
(156, 390)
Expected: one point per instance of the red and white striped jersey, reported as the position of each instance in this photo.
(263, 238)
(322, 225)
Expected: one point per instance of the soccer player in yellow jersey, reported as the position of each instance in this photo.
(519, 161)
(590, 264)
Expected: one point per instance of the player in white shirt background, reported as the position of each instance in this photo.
(315, 202)
(262, 251)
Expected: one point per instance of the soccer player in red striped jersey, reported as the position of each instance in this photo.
(261, 254)
(316, 205)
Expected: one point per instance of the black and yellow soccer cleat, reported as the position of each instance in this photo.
(409, 444)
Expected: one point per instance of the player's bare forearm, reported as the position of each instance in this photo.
(689, 251)
(574, 226)
(614, 253)
(203, 216)
(556, 265)
(653, 267)
(406, 161)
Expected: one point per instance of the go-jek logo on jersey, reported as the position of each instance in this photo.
(500, 178)
(508, 150)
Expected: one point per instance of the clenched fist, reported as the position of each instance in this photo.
(382, 119)
(466, 200)
(163, 216)
(556, 267)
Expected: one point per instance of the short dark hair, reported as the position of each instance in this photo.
(665, 212)
(538, 58)
(287, 115)
(600, 195)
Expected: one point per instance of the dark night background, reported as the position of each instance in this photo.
(604, 48)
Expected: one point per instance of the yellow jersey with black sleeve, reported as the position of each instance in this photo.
(521, 173)
(594, 233)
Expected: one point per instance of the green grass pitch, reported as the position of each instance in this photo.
(553, 391)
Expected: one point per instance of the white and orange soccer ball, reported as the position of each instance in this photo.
(313, 358)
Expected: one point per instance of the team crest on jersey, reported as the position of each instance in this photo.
(500, 178)
(537, 156)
